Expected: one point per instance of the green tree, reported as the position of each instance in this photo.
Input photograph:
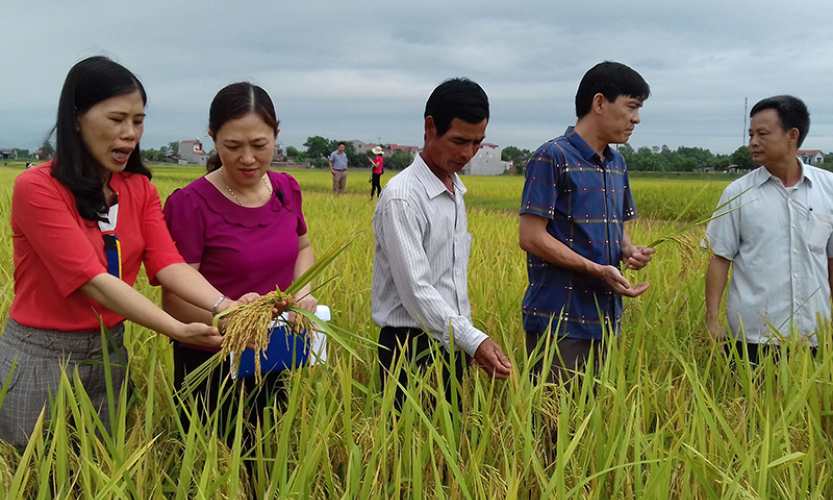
(399, 160)
(24, 154)
(317, 147)
(517, 156)
(173, 147)
(743, 158)
(47, 150)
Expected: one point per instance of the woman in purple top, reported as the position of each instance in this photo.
(242, 227)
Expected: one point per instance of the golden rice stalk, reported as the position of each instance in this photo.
(250, 323)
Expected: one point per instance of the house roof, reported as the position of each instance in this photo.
(488, 145)
(190, 142)
(809, 152)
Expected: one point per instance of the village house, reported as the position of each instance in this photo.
(191, 152)
(487, 161)
(8, 153)
(811, 156)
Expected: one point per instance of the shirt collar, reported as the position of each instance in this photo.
(586, 151)
(762, 175)
(433, 185)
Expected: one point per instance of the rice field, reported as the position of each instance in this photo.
(666, 417)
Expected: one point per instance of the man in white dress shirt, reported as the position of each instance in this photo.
(420, 289)
(778, 243)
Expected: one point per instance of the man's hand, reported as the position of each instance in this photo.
(637, 256)
(490, 358)
(620, 285)
(716, 331)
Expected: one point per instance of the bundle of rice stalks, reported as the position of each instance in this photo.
(250, 323)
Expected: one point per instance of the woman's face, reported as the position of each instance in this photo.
(245, 146)
(111, 129)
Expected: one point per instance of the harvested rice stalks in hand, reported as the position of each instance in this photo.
(250, 323)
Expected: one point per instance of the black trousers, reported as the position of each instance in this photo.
(757, 351)
(376, 185)
(570, 356)
(418, 349)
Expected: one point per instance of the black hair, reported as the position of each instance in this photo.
(236, 101)
(342, 144)
(611, 79)
(89, 82)
(457, 98)
(791, 111)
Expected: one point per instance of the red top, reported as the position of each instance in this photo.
(56, 251)
(377, 164)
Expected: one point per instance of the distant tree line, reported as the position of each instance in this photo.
(663, 159)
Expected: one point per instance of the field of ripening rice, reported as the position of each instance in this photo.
(666, 417)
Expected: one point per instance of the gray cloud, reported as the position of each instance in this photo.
(362, 70)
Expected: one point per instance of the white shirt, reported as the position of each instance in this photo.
(422, 254)
(779, 242)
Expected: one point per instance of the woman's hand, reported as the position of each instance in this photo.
(199, 334)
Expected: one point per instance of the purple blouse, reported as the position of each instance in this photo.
(239, 249)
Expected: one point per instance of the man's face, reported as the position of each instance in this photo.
(768, 141)
(341, 148)
(619, 118)
(450, 152)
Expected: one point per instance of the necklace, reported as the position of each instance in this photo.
(265, 183)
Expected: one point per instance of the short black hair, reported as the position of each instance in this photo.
(457, 98)
(342, 143)
(791, 110)
(89, 82)
(611, 79)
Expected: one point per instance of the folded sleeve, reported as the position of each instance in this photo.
(629, 206)
(43, 217)
(723, 232)
(399, 231)
(160, 250)
(540, 190)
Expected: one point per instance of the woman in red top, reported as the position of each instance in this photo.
(376, 176)
(83, 224)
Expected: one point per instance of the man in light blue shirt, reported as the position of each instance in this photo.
(338, 167)
(777, 238)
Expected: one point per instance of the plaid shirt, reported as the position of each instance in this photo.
(586, 200)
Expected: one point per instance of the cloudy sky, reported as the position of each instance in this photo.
(363, 69)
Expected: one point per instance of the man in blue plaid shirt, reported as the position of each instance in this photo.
(575, 201)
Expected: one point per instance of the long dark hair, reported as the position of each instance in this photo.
(235, 101)
(89, 82)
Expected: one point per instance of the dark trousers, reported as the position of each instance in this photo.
(418, 349)
(219, 392)
(758, 351)
(569, 357)
(376, 185)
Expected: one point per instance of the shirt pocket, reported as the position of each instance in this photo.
(820, 229)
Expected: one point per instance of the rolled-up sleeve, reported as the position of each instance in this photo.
(399, 233)
(723, 233)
